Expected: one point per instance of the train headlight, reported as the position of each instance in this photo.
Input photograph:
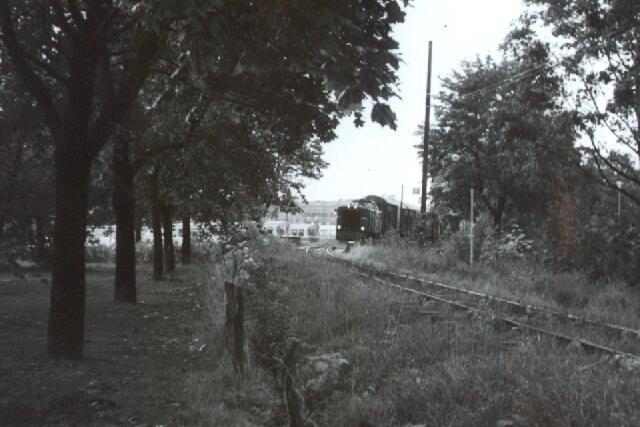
(339, 227)
(362, 228)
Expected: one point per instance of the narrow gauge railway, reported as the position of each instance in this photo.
(372, 217)
(621, 343)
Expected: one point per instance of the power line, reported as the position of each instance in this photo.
(512, 79)
(522, 74)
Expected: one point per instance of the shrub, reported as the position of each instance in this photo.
(99, 253)
(607, 249)
(511, 245)
(455, 245)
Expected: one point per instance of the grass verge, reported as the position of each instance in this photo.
(517, 279)
(400, 361)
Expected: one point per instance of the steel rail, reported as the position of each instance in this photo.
(527, 308)
(587, 345)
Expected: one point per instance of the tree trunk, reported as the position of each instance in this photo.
(158, 271)
(186, 239)
(234, 325)
(564, 223)
(498, 213)
(10, 183)
(140, 215)
(124, 208)
(41, 252)
(167, 226)
(138, 231)
(67, 302)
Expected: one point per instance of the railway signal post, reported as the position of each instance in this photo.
(471, 228)
(619, 185)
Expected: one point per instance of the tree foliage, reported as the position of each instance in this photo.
(277, 77)
(25, 174)
(601, 55)
(501, 131)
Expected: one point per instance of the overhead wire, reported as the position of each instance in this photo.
(522, 74)
(511, 79)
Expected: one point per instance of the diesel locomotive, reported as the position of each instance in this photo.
(372, 217)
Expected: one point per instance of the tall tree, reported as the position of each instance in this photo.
(281, 88)
(600, 42)
(69, 58)
(501, 132)
(85, 62)
(124, 209)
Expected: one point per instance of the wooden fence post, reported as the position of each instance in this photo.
(234, 325)
(293, 398)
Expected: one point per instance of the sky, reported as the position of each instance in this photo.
(376, 160)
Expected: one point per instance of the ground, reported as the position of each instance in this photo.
(136, 356)
(399, 360)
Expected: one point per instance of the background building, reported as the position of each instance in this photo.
(317, 219)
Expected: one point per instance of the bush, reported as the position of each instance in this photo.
(99, 253)
(512, 245)
(455, 245)
(608, 249)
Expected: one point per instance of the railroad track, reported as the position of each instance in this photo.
(564, 328)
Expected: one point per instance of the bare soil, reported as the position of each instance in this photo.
(136, 356)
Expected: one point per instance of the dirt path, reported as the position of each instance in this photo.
(135, 356)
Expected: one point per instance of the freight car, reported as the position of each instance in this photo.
(372, 217)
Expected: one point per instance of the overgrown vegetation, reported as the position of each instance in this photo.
(513, 131)
(397, 365)
(514, 266)
(207, 120)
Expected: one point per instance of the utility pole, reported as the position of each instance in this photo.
(425, 140)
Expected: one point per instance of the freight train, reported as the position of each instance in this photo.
(373, 216)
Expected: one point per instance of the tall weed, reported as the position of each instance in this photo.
(406, 368)
(507, 267)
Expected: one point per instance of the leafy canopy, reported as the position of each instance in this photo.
(501, 131)
(600, 42)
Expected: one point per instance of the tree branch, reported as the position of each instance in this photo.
(149, 153)
(615, 168)
(62, 20)
(611, 184)
(608, 125)
(26, 74)
(47, 68)
(116, 106)
(76, 15)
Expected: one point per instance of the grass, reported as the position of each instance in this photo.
(136, 356)
(517, 279)
(404, 366)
